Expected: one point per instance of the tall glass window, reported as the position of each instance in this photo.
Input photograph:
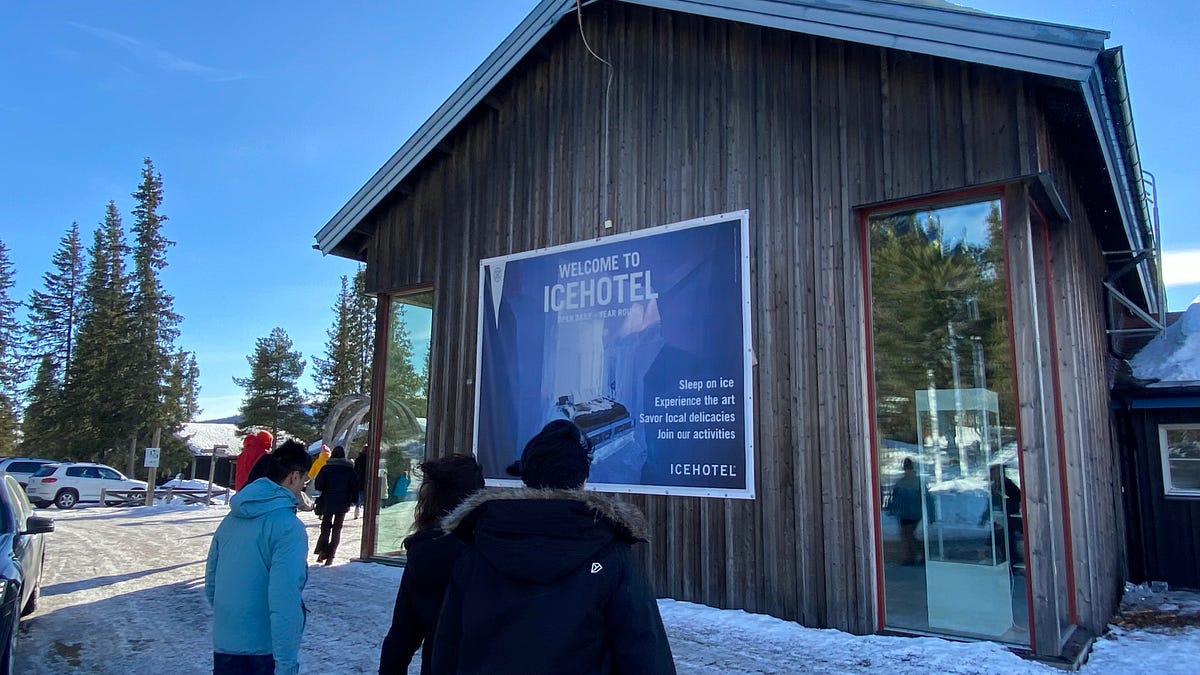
(405, 407)
(945, 423)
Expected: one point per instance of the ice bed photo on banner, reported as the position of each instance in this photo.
(642, 339)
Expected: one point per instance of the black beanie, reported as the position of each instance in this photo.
(559, 456)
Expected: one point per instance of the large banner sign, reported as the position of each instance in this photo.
(642, 339)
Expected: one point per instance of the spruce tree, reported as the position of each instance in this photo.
(155, 323)
(54, 311)
(96, 417)
(273, 400)
(404, 384)
(335, 374)
(346, 368)
(11, 359)
(181, 391)
(363, 333)
(40, 430)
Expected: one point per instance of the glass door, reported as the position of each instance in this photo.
(945, 424)
(405, 404)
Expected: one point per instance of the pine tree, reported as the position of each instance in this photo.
(54, 312)
(11, 359)
(39, 425)
(404, 384)
(425, 371)
(363, 333)
(335, 374)
(347, 367)
(96, 417)
(191, 387)
(273, 398)
(155, 323)
(179, 403)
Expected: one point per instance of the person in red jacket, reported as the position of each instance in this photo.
(254, 447)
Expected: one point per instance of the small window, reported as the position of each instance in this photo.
(23, 467)
(1181, 459)
(46, 470)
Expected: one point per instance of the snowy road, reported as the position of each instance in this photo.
(123, 591)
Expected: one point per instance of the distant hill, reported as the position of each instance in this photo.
(232, 419)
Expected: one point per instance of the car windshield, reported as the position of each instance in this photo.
(45, 470)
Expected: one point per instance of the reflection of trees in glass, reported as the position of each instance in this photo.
(404, 384)
(940, 315)
(1183, 443)
(405, 391)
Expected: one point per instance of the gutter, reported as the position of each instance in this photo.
(1106, 94)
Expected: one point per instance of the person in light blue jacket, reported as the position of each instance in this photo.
(256, 571)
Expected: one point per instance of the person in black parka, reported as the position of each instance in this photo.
(445, 483)
(339, 490)
(547, 583)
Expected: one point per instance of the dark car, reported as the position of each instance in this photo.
(22, 553)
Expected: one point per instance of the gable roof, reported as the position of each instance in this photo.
(925, 27)
(202, 437)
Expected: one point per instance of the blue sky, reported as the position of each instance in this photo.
(265, 117)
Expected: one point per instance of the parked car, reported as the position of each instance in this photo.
(69, 483)
(22, 468)
(22, 554)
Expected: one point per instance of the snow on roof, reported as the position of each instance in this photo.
(1172, 357)
(201, 437)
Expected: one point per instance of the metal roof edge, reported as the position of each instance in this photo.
(1057, 51)
(1106, 115)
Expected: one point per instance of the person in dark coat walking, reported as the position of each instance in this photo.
(445, 483)
(339, 489)
(547, 583)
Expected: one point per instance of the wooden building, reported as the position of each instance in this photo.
(1157, 410)
(214, 448)
(931, 194)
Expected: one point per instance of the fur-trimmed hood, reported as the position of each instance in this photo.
(624, 515)
(543, 535)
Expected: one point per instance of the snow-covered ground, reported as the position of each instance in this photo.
(124, 592)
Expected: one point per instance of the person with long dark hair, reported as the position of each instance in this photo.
(445, 483)
(548, 583)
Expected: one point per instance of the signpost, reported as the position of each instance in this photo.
(212, 470)
(152, 455)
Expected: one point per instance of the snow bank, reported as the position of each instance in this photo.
(123, 591)
(1173, 356)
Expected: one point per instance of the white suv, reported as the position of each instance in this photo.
(22, 468)
(68, 483)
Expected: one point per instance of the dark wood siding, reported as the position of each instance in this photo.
(1075, 268)
(707, 117)
(1165, 541)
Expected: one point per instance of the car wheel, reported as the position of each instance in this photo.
(66, 499)
(31, 604)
